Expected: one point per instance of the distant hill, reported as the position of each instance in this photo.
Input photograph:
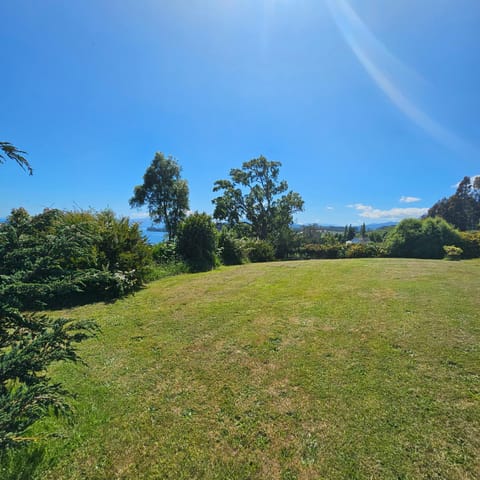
(376, 226)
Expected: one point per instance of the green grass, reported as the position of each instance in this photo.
(337, 369)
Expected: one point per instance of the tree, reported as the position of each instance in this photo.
(348, 233)
(254, 196)
(363, 231)
(164, 192)
(197, 242)
(463, 208)
(7, 150)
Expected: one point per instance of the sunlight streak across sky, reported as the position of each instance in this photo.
(390, 74)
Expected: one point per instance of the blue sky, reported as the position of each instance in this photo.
(372, 107)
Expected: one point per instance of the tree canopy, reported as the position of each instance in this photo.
(255, 196)
(164, 192)
(463, 208)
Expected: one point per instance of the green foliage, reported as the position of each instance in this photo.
(463, 208)
(162, 270)
(364, 250)
(7, 150)
(363, 231)
(311, 234)
(340, 250)
(260, 251)
(378, 236)
(29, 344)
(164, 192)
(164, 252)
(315, 250)
(349, 233)
(58, 258)
(256, 196)
(286, 243)
(452, 252)
(421, 238)
(197, 242)
(470, 244)
(232, 249)
(22, 462)
(166, 261)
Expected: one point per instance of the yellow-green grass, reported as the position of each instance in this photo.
(336, 369)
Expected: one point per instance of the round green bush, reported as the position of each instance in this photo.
(197, 242)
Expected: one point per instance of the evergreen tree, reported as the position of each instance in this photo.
(363, 231)
(29, 344)
(463, 208)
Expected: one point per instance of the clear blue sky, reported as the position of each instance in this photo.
(372, 107)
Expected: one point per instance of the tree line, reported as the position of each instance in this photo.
(254, 210)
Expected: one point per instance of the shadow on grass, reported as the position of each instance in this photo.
(21, 463)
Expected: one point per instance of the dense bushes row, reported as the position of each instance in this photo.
(341, 250)
(411, 238)
(202, 247)
(426, 238)
(58, 258)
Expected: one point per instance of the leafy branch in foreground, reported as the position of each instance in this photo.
(7, 150)
(29, 344)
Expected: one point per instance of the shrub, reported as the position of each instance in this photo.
(317, 251)
(164, 252)
(58, 258)
(286, 243)
(362, 250)
(232, 249)
(470, 244)
(413, 238)
(260, 251)
(197, 242)
(452, 252)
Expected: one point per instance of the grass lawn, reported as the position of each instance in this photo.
(337, 369)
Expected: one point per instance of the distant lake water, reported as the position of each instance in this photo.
(152, 237)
